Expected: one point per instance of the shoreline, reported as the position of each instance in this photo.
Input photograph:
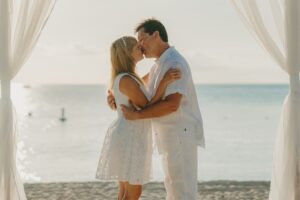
(210, 190)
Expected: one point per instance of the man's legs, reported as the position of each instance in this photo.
(180, 167)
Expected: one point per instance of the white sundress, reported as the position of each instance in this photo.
(127, 149)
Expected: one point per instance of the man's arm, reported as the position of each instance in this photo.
(170, 104)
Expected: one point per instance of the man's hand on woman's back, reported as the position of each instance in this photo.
(111, 100)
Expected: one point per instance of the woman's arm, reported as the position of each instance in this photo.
(146, 78)
(129, 87)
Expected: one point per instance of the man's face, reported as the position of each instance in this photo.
(147, 43)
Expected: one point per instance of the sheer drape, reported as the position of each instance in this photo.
(18, 36)
(285, 51)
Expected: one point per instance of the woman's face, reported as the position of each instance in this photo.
(137, 53)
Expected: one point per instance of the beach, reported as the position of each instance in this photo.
(59, 159)
(211, 190)
(240, 123)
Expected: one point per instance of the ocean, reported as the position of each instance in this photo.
(240, 123)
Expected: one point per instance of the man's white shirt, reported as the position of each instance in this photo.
(185, 123)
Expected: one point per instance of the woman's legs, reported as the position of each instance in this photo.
(122, 190)
(133, 192)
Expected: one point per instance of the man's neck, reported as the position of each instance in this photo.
(162, 49)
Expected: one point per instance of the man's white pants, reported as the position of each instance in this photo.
(180, 167)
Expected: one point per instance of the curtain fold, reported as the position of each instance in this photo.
(16, 45)
(285, 13)
(250, 15)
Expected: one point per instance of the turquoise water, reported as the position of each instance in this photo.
(240, 123)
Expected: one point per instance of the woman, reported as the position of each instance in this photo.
(127, 150)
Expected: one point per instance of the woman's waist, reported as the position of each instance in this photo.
(121, 120)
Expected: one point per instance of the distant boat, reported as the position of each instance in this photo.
(63, 118)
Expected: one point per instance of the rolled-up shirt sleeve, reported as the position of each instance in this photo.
(179, 86)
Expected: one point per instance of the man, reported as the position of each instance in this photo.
(176, 120)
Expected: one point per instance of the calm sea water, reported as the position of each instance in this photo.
(240, 127)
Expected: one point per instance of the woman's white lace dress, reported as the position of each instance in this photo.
(127, 149)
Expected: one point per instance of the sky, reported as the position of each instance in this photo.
(74, 45)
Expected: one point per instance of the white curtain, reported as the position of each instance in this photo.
(21, 23)
(285, 51)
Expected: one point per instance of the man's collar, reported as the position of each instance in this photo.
(164, 55)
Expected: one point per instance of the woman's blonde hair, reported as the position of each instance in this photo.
(121, 58)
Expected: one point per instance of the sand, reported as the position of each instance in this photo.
(213, 190)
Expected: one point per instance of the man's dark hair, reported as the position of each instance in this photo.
(152, 25)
